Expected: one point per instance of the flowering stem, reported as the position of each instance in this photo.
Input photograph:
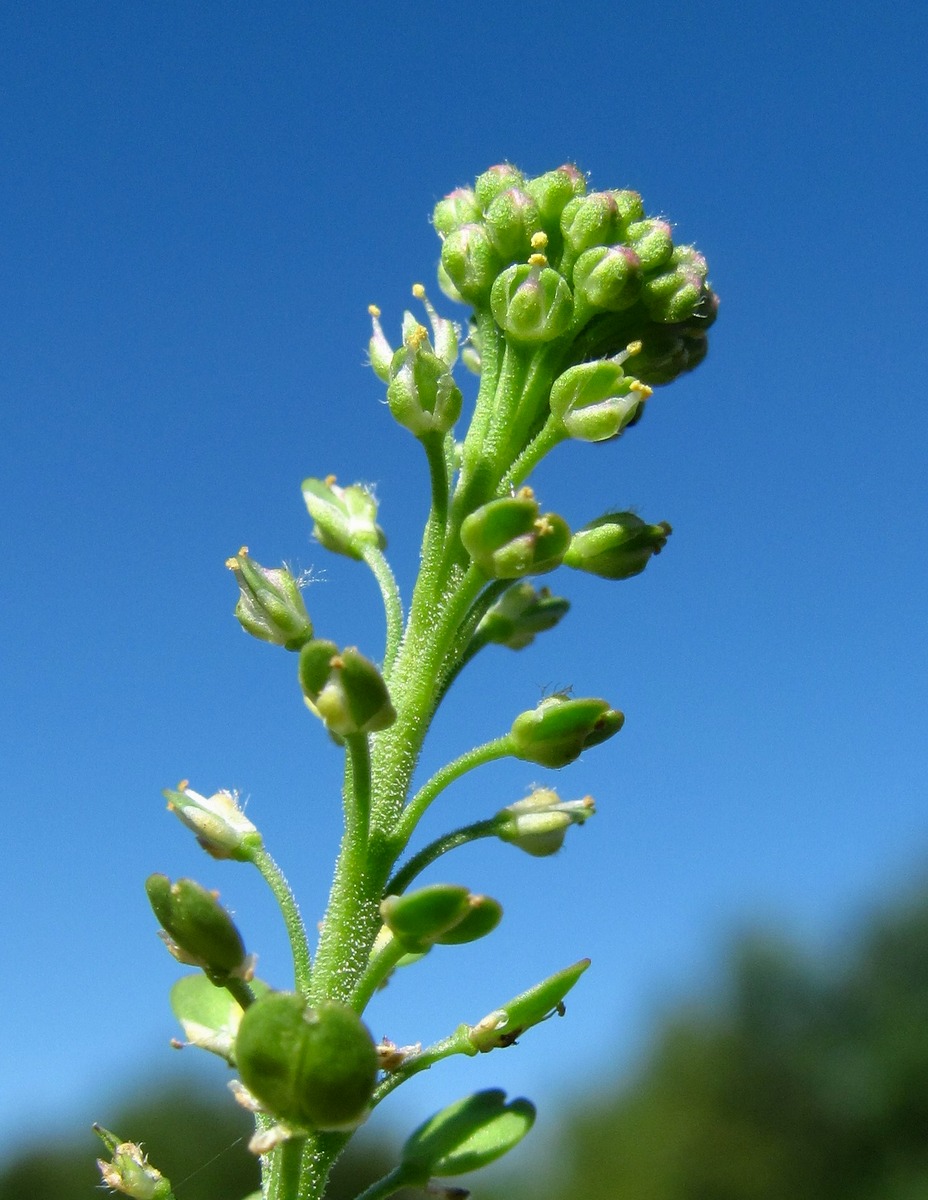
(434, 850)
(550, 434)
(380, 966)
(285, 1173)
(457, 1043)
(392, 601)
(388, 1186)
(296, 930)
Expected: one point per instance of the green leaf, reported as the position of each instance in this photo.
(467, 1135)
(208, 1014)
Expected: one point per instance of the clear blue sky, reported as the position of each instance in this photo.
(199, 201)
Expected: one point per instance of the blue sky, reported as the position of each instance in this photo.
(199, 202)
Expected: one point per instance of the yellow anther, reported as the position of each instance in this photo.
(183, 785)
(418, 291)
(539, 240)
(537, 260)
(329, 480)
(633, 348)
(525, 493)
(373, 310)
(417, 336)
(641, 388)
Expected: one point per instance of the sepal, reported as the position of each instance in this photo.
(129, 1172)
(270, 605)
(345, 518)
(539, 823)
(344, 689)
(510, 537)
(595, 401)
(531, 302)
(519, 614)
(441, 913)
(560, 729)
(616, 545)
(221, 828)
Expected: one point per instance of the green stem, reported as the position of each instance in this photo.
(358, 787)
(490, 751)
(319, 1154)
(379, 967)
(240, 992)
(284, 1172)
(286, 901)
(390, 1184)
(549, 436)
(491, 345)
(457, 1043)
(392, 602)
(434, 850)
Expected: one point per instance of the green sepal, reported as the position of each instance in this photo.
(652, 241)
(130, 1173)
(270, 605)
(471, 263)
(422, 394)
(344, 689)
(221, 827)
(552, 191)
(538, 823)
(607, 278)
(675, 293)
(591, 220)
(559, 729)
(208, 1014)
(345, 518)
(201, 931)
(521, 613)
(466, 1136)
(509, 537)
(504, 1025)
(531, 303)
(311, 1067)
(511, 219)
(616, 545)
(595, 401)
(458, 208)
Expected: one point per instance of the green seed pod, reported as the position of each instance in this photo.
(458, 208)
(511, 219)
(495, 180)
(502, 1026)
(509, 537)
(607, 277)
(422, 394)
(270, 606)
(482, 916)
(311, 1067)
(519, 614)
(417, 919)
(616, 545)
(345, 518)
(560, 729)
(471, 263)
(532, 303)
(595, 401)
(344, 689)
(200, 931)
(465, 1136)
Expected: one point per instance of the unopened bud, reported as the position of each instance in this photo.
(539, 823)
(130, 1173)
(652, 241)
(553, 190)
(591, 220)
(471, 263)
(495, 180)
(521, 613)
(200, 932)
(674, 294)
(616, 545)
(270, 606)
(221, 828)
(532, 303)
(607, 278)
(345, 518)
(458, 208)
(559, 729)
(510, 537)
(344, 689)
(441, 913)
(511, 219)
(595, 401)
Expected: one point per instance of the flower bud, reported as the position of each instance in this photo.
(345, 518)
(311, 1067)
(344, 689)
(471, 263)
(629, 205)
(511, 219)
(422, 394)
(616, 545)
(595, 401)
(538, 823)
(221, 828)
(560, 729)
(552, 191)
(199, 930)
(675, 293)
(652, 241)
(519, 614)
(441, 913)
(591, 220)
(458, 208)
(509, 537)
(532, 303)
(465, 1136)
(495, 180)
(130, 1173)
(607, 277)
(502, 1026)
(270, 606)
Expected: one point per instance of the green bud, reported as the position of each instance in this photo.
(465, 1136)
(221, 828)
(674, 294)
(345, 518)
(521, 613)
(130, 1173)
(560, 729)
(199, 930)
(509, 537)
(538, 823)
(502, 1026)
(379, 351)
(552, 191)
(458, 208)
(422, 394)
(311, 1067)
(511, 219)
(531, 302)
(652, 241)
(495, 180)
(607, 277)
(629, 205)
(344, 689)
(591, 220)
(616, 545)
(270, 606)
(417, 919)
(471, 263)
(670, 350)
(595, 401)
